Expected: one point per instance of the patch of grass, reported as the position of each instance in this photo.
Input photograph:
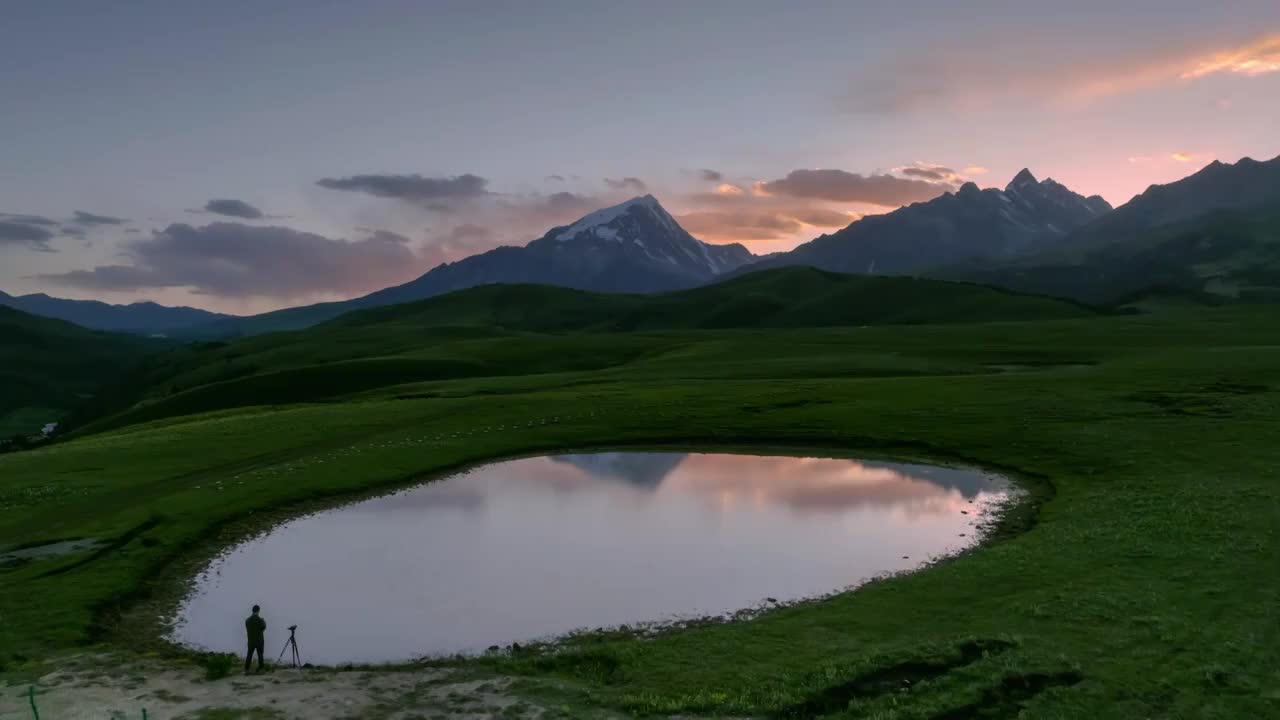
(218, 665)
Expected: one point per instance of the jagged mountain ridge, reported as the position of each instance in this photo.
(1214, 235)
(1243, 185)
(969, 224)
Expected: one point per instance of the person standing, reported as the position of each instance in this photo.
(256, 628)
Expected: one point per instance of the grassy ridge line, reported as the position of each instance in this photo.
(452, 336)
(1157, 551)
(781, 298)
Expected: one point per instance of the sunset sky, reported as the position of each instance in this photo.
(190, 153)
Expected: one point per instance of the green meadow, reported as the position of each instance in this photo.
(1140, 578)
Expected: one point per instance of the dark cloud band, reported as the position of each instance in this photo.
(233, 208)
(842, 186)
(232, 259)
(81, 217)
(432, 192)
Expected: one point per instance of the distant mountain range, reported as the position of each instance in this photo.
(1211, 233)
(633, 247)
(139, 317)
(1214, 235)
(990, 225)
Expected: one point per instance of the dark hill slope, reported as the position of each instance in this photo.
(1225, 256)
(49, 367)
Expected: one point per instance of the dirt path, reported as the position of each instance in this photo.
(105, 688)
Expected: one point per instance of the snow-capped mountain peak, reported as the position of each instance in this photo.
(642, 231)
(599, 221)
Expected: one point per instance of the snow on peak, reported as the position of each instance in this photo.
(597, 220)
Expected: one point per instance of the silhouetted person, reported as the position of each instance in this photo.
(256, 628)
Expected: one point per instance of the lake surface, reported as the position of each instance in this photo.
(530, 548)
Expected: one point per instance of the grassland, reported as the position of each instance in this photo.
(1146, 583)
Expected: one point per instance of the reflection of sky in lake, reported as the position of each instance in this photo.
(539, 546)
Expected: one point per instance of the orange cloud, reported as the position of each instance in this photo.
(727, 189)
(969, 78)
(748, 222)
(1177, 157)
(1256, 58)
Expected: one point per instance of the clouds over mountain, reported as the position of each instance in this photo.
(462, 216)
(421, 221)
(803, 202)
(232, 260)
(843, 186)
(806, 202)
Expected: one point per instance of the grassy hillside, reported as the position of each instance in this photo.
(48, 367)
(1224, 256)
(1147, 440)
(790, 297)
(502, 330)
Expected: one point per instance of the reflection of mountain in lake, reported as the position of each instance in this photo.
(646, 470)
(966, 481)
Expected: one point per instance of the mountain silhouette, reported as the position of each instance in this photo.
(970, 224)
(141, 317)
(632, 247)
(645, 470)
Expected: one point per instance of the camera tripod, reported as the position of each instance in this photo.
(291, 644)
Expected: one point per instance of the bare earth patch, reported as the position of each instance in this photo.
(102, 688)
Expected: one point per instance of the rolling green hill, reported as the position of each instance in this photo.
(49, 367)
(784, 298)
(506, 330)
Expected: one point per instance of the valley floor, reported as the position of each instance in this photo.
(1142, 581)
